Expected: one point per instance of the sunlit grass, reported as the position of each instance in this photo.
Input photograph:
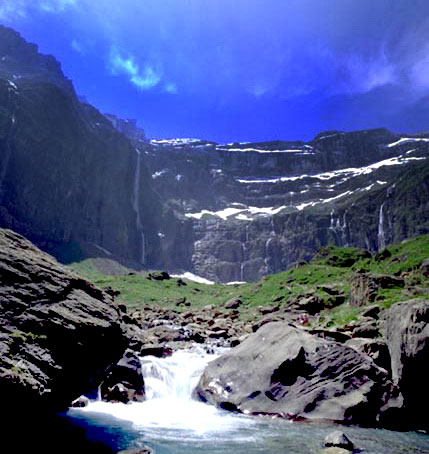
(333, 266)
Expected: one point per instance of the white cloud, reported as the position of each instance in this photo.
(55, 6)
(10, 9)
(418, 71)
(18, 9)
(143, 78)
(78, 47)
(171, 88)
(258, 89)
(365, 75)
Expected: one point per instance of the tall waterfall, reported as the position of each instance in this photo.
(244, 253)
(136, 206)
(381, 234)
(267, 244)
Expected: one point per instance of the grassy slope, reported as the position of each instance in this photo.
(331, 266)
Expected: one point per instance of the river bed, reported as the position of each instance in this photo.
(171, 422)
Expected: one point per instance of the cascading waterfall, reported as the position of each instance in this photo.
(136, 206)
(339, 228)
(169, 408)
(344, 229)
(332, 224)
(381, 234)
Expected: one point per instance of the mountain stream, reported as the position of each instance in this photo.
(171, 422)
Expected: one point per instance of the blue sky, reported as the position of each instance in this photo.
(243, 70)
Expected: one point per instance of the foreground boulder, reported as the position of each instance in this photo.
(58, 333)
(407, 336)
(282, 370)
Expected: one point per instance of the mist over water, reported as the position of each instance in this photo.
(171, 422)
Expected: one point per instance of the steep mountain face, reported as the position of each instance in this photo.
(73, 183)
(253, 209)
(68, 180)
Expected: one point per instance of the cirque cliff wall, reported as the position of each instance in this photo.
(253, 209)
(78, 187)
(67, 177)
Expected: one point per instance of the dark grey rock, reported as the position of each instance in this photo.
(331, 334)
(58, 333)
(424, 268)
(335, 450)
(159, 351)
(407, 336)
(366, 328)
(286, 371)
(339, 439)
(376, 349)
(81, 402)
(364, 287)
(372, 312)
(312, 304)
(142, 450)
(183, 302)
(159, 276)
(234, 303)
(269, 310)
(330, 289)
(124, 382)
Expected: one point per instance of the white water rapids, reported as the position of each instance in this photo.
(169, 407)
(171, 422)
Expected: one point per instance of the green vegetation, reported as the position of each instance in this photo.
(20, 336)
(332, 268)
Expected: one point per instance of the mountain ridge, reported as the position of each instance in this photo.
(78, 187)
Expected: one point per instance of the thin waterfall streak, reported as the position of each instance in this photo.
(381, 233)
(136, 206)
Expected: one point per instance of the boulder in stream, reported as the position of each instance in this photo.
(282, 370)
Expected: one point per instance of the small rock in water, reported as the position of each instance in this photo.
(143, 450)
(338, 439)
(80, 402)
(334, 450)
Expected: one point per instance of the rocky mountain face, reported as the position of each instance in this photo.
(240, 211)
(77, 186)
(69, 181)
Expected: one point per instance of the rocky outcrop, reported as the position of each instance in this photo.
(364, 287)
(407, 335)
(282, 370)
(58, 333)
